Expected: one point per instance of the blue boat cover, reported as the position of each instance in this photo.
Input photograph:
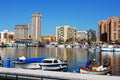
(30, 60)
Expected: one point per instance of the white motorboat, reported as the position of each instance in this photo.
(51, 64)
(116, 49)
(28, 63)
(107, 49)
(61, 46)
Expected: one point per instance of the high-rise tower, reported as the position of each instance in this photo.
(36, 26)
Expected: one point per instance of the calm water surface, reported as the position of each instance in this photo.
(76, 57)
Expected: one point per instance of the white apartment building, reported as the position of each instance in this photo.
(66, 32)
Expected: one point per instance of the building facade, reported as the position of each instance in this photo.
(22, 31)
(82, 35)
(49, 38)
(109, 30)
(91, 35)
(65, 33)
(36, 25)
(6, 36)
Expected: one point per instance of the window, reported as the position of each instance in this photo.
(119, 34)
(119, 21)
(114, 26)
(119, 27)
(45, 61)
(55, 61)
(114, 35)
(105, 27)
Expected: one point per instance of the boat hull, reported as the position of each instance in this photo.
(110, 49)
(107, 49)
(116, 49)
(28, 65)
(54, 67)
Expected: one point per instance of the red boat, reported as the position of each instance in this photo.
(100, 70)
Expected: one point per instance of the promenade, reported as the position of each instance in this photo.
(17, 74)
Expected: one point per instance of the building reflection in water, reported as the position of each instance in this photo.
(76, 57)
(113, 58)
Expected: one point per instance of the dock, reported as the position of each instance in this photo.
(21, 74)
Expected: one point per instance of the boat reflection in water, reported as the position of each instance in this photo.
(75, 57)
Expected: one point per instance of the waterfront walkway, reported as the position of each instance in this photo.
(43, 75)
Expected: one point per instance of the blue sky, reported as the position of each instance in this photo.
(82, 14)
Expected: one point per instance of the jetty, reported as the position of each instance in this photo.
(21, 74)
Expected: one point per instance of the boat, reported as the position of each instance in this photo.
(68, 46)
(100, 70)
(51, 64)
(61, 46)
(107, 49)
(116, 49)
(110, 49)
(28, 63)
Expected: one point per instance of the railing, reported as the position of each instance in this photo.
(21, 74)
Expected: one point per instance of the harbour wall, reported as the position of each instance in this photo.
(52, 75)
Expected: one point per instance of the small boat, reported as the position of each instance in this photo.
(116, 49)
(28, 63)
(107, 49)
(100, 70)
(51, 64)
(61, 46)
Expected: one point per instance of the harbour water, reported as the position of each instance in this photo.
(76, 57)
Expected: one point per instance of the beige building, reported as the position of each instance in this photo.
(6, 36)
(36, 26)
(49, 38)
(109, 30)
(22, 31)
(64, 33)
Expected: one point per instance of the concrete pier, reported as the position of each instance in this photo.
(17, 73)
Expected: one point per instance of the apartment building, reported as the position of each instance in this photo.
(22, 31)
(109, 30)
(64, 33)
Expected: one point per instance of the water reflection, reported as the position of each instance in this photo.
(113, 58)
(76, 57)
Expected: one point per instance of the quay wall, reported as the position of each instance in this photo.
(54, 74)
